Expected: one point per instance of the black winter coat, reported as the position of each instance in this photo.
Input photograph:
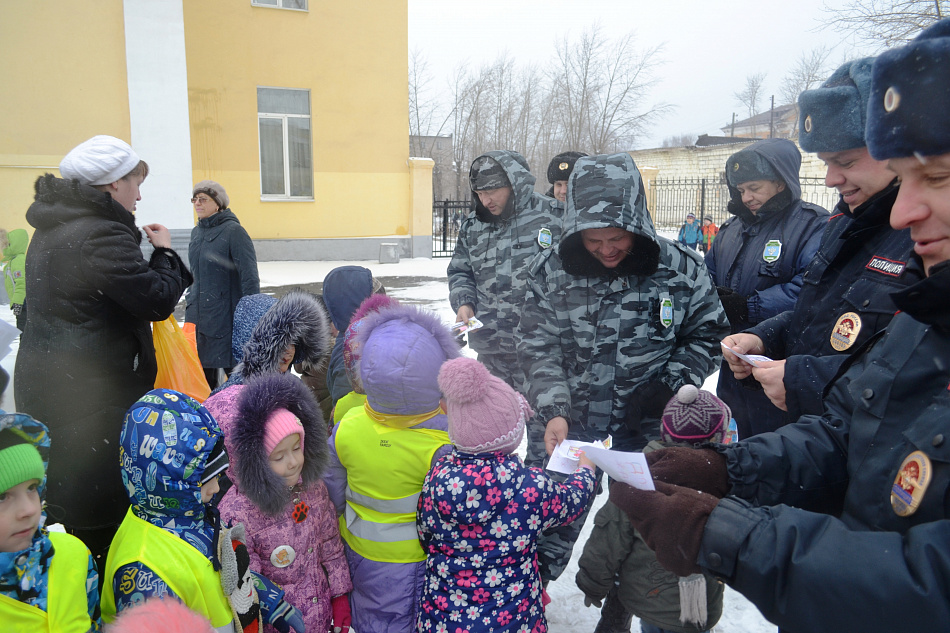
(860, 263)
(86, 355)
(224, 264)
(812, 536)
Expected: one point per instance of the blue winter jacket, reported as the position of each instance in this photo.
(763, 256)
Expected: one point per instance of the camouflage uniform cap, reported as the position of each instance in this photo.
(486, 173)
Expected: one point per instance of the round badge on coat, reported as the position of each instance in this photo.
(911, 483)
(846, 330)
(282, 556)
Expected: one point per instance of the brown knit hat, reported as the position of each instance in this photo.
(215, 191)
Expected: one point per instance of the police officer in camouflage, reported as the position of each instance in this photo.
(488, 272)
(616, 320)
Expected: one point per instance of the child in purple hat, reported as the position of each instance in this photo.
(481, 510)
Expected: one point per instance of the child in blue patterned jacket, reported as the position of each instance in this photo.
(481, 510)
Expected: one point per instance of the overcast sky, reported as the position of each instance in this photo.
(711, 46)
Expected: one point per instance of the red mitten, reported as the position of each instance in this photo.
(341, 614)
(701, 469)
(670, 519)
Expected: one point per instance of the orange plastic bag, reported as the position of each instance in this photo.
(178, 364)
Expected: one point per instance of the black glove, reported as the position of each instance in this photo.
(17, 308)
(647, 402)
(735, 305)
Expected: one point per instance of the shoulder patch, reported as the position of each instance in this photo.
(886, 266)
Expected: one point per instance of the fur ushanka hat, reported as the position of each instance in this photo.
(910, 90)
(832, 117)
(259, 399)
(562, 165)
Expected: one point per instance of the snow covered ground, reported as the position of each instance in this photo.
(566, 613)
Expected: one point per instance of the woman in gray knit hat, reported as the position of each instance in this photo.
(223, 261)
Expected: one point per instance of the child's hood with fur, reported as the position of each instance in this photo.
(250, 463)
(296, 319)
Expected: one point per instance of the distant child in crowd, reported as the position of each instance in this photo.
(344, 289)
(690, 233)
(48, 580)
(709, 234)
(379, 456)
(13, 264)
(616, 552)
(481, 511)
(351, 354)
(277, 443)
(171, 543)
(294, 329)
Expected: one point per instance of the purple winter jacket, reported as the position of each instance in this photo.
(403, 348)
(266, 506)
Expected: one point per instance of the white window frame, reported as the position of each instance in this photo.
(279, 5)
(285, 140)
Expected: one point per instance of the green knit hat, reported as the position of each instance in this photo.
(19, 461)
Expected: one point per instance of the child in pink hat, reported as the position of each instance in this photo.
(481, 510)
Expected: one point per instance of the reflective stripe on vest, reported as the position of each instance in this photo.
(385, 470)
(184, 569)
(66, 595)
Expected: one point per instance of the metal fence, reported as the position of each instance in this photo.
(447, 216)
(671, 199)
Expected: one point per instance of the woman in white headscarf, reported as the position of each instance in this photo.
(86, 355)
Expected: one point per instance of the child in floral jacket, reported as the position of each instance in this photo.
(481, 511)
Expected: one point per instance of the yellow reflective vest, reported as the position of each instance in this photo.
(184, 569)
(68, 610)
(386, 461)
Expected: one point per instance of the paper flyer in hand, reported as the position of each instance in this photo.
(462, 327)
(752, 359)
(630, 468)
(564, 458)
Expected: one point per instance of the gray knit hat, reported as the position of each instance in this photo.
(832, 117)
(215, 191)
(693, 416)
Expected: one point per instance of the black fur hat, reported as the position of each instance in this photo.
(259, 398)
(296, 319)
(562, 165)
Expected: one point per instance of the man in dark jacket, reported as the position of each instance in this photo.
(86, 355)
(224, 265)
(759, 256)
(488, 272)
(846, 296)
(840, 522)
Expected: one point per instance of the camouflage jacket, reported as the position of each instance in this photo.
(489, 267)
(589, 336)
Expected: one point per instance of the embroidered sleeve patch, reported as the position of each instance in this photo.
(886, 266)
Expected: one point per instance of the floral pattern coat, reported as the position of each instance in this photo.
(479, 518)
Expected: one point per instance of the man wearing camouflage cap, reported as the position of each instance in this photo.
(487, 275)
(616, 320)
(846, 292)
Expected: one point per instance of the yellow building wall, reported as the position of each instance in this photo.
(62, 80)
(352, 56)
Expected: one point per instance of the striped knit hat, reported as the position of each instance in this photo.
(694, 416)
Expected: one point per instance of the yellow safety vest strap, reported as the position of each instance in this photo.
(379, 532)
(405, 505)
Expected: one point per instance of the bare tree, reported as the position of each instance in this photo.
(424, 116)
(887, 22)
(679, 140)
(749, 96)
(808, 72)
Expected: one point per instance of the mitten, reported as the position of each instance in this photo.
(341, 614)
(647, 401)
(237, 579)
(590, 600)
(277, 612)
(17, 308)
(670, 520)
(735, 305)
(701, 469)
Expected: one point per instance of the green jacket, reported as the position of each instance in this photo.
(646, 589)
(13, 265)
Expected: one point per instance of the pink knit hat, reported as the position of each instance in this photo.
(280, 424)
(485, 414)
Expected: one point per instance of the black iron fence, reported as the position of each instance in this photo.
(670, 199)
(447, 216)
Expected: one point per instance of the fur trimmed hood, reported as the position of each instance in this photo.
(403, 347)
(260, 397)
(296, 319)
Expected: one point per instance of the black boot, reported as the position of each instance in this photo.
(613, 617)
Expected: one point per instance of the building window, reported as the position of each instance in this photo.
(297, 5)
(283, 117)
